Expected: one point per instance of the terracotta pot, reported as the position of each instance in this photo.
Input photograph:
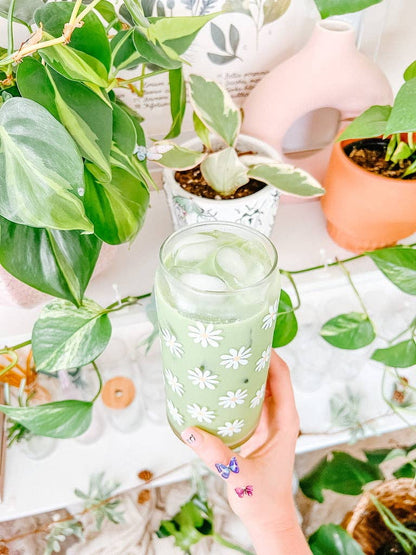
(16, 293)
(257, 210)
(364, 210)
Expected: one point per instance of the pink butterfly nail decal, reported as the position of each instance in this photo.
(248, 490)
(225, 470)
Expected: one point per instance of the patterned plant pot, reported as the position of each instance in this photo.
(16, 293)
(257, 210)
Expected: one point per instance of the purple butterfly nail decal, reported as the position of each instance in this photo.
(248, 490)
(225, 470)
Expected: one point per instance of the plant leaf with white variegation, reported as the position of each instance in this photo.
(65, 336)
(177, 33)
(224, 172)
(287, 179)
(215, 107)
(171, 155)
(41, 169)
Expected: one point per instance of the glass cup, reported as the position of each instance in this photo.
(216, 289)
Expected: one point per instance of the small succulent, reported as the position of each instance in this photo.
(215, 114)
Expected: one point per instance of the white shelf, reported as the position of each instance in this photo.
(319, 371)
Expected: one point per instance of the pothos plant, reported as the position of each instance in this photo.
(69, 177)
(224, 168)
(396, 123)
(342, 473)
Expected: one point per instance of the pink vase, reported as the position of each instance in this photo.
(15, 293)
(329, 72)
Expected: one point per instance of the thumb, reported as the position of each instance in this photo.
(208, 447)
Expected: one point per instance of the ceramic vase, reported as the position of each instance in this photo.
(329, 72)
(257, 210)
(364, 210)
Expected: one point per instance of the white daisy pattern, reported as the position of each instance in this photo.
(174, 412)
(231, 428)
(203, 378)
(263, 360)
(201, 414)
(258, 398)
(233, 398)
(174, 383)
(172, 344)
(235, 358)
(205, 335)
(270, 317)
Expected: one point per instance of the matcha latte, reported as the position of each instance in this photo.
(217, 290)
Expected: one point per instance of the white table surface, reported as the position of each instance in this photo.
(38, 485)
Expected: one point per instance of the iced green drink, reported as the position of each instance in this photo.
(217, 289)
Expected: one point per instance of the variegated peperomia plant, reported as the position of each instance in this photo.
(69, 178)
(225, 169)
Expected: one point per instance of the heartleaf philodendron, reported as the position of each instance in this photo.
(349, 331)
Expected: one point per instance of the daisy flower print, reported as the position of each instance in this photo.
(204, 379)
(175, 414)
(263, 360)
(205, 335)
(172, 344)
(201, 414)
(231, 428)
(258, 398)
(270, 318)
(174, 383)
(233, 398)
(236, 358)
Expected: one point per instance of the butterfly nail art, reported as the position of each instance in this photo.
(248, 490)
(225, 470)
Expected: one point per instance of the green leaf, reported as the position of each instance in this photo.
(118, 208)
(136, 12)
(274, 9)
(349, 331)
(65, 336)
(287, 179)
(87, 118)
(339, 472)
(33, 82)
(218, 37)
(124, 51)
(91, 38)
(59, 263)
(153, 53)
(177, 33)
(328, 8)
(215, 108)
(171, 155)
(124, 131)
(379, 456)
(286, 326)
(398, 264)
(331, 539)
(224, 172)
(39, 177)
(401, 355)
(408, 470)
(177, 101)
(108, 12)
(410, 72)
(403, 114)
(371, 123)
(201, 130)
(24, 9)
(62, 419)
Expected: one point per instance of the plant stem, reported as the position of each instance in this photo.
(100, 382)
(12, 363)
(292, 281)
(10, 37)
(74, 13)
(357, 294)
(126, 301)
(19, 345)
(87, 10)
(124, 82)
(219, 539)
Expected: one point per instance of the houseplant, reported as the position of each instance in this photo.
(69, 179)
(382, 521)
(223, 175)
(370, 182)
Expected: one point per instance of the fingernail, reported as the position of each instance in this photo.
(190, 436)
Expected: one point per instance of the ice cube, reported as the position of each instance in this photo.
(203, 282)
(194, 252)
(231, 266)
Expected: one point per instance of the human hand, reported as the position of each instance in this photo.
(266, 464)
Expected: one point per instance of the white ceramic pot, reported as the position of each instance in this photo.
(257, 210)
